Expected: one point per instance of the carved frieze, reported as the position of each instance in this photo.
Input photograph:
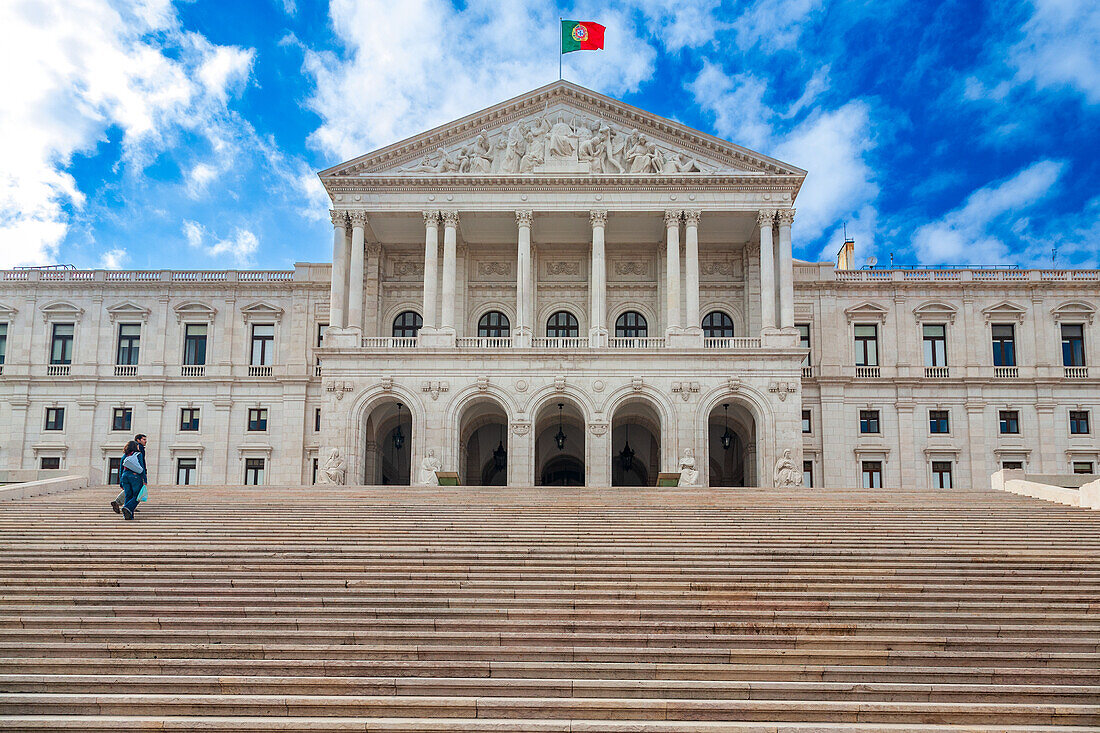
(494, 270)
(406, 269)
(719, 269)
(629, 268)
(567, 270)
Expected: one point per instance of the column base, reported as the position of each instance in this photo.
(779, 338)
(522, 338)
(343, 338)
(684, 339)
(597, 338)
(437, 338)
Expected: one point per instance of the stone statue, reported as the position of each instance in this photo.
(642, 157)
(333, 471)
(786, 475)
(481, 154)
(514, 145)
(424, 166)
(681, 164)
(449, 164)
(561, 138)
(428, 467)
(689, 475)
(603, 151)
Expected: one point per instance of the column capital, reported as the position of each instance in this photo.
(450, 218)
(358, 218)
(765, 216)
(672, 218)
(431, 218)
(785, 217)
(339, 217)
(523, 217)
(373, 249)
(691, 216)
(598, 217)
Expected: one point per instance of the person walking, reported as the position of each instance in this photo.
(142, 440)
(131, 472)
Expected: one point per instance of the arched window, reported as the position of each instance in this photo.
(717, 325)
(631, 324)
(407, 324)
(493, 324)
(562, 324)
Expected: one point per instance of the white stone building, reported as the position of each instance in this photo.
(558, 289)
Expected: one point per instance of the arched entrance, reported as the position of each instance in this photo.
(559, 444)
(731, 445)
(388, 448)
(483, 443)
(635, 444)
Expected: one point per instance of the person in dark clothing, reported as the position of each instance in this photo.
(119, 500)
(131, 470)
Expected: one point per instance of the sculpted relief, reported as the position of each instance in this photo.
(558, 142)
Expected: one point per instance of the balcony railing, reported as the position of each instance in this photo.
(937, 372)
(389, 342)
(868, 372)
(1006, 372)
(317, 369)
(58, 370)
(622, 342)
(259, 371)
(1076, 372)
(484, 342)
(560, 342)
(125, 370)
(193, 370)
(807, 372)
(731, 342)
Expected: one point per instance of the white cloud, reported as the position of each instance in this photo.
(71, 70)
(241, 246)
(199, 179)
(1061, 47)
(194, 233)
(976, 232)
(737, 103)
(412, 65)
(114, 259)
(774, 24)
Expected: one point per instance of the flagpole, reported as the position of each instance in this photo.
(559, 47)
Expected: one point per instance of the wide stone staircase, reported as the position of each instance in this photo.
(550, 609)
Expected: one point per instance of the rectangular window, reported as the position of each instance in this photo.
(935, 345)
(114, 465)
(1073, 345)
(872, 474)
(3, 341)
(321, 328)
(317, 420)
(263, 344)
(1079, 422)
(257, 419)
(61, 348)
(866, 345)
(1004, 345)
(868, 422)
(1082, 467)
(1012, 465)
(253, 471)
(939, 421)
(129, 340)
(315, 465)
(194, 344)
(808, 474)
(806, 424)
(1010, 422)
(187, 471)
(189, 420)
(121, 417)
(55, 418)
(50, 462)
(804, 340)
(941, 474)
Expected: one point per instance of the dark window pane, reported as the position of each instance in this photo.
(717, 324)
(562, 324)
(493, 324)
(407, 324)
(631, 324)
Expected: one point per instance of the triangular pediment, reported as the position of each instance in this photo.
(866, 311)
(262, 310)
(194, 310)
(935, 310)
(1005, 310)
(562, 129)
(1072, 310)
(127, 311)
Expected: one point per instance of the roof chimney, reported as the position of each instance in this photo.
(846, 257)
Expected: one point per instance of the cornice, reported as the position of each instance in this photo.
(550, 182)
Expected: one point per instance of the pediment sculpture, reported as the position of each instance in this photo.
(558, 142)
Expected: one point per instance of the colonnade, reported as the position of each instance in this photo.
(776, 274)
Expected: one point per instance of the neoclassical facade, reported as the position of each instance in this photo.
(561, 289)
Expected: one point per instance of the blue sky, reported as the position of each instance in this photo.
(152, 133)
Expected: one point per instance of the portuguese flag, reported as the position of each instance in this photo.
(581, 35)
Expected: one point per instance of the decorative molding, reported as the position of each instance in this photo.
(563, 267)
(672, 218)
(935, 310)
(632, 267)
(406, 268)
(598, 429)
(784, 217)
(521, 428)
(431, 218)
(685, 389)
(866, 311)
(1074, 310)
(339, 217)
(434, 388)
(357, 218)
(262, 311)
(765, 217)
(494, 267)
(450, 218)
(523, 218)
(1005, 311)
(782, 389)
(62, 310)
(598, 217)
(194, 311)
(691, 217)
(125, 311)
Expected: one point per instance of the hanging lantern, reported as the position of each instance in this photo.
(560, 437)
(398, 436)
(500, 455)
(626, 455)
(727, 437)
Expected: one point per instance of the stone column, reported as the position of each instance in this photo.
(785, 217)
(370, 289)
(355, 270)
(337, 290)
(450, 235)
(524, 283)
(692, 321)
(765, 219)
(672, 271)
(600, 452)
(431, 267)
(597, 285)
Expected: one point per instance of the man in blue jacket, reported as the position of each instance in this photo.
(119, 500)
